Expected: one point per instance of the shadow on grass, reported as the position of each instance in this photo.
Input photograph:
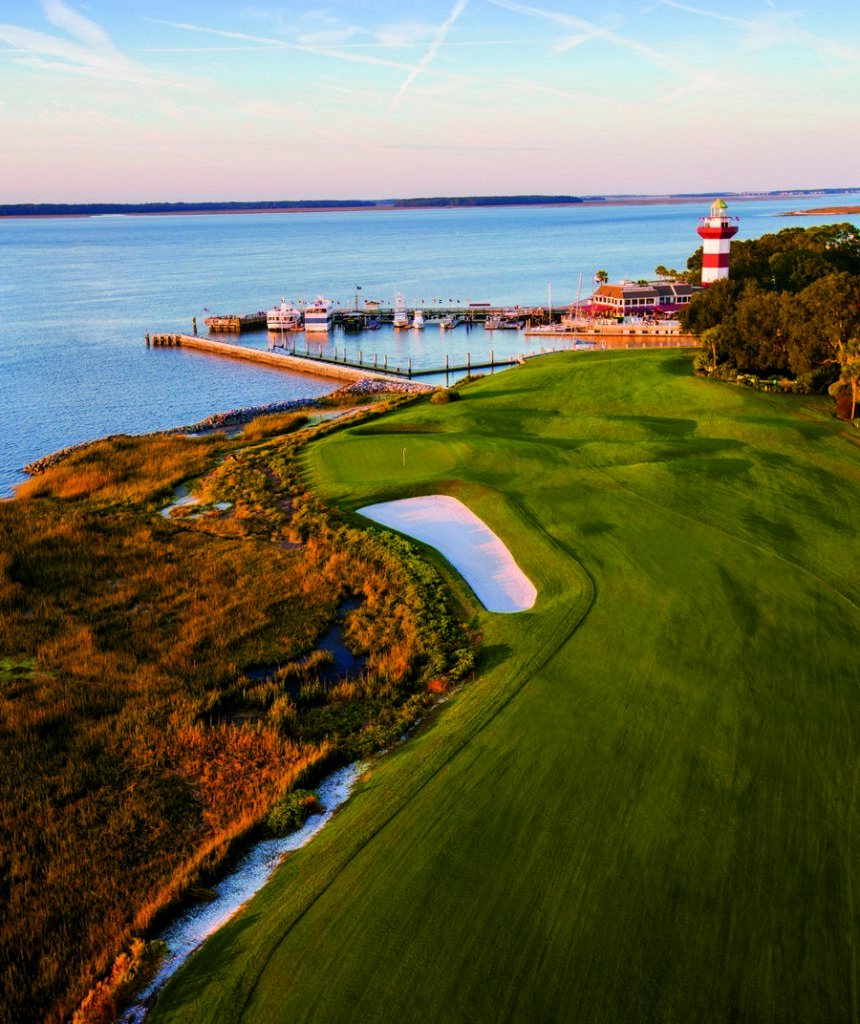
(596, 527)
(662, 425)
(376, 429)
(494, 394)
(680, 364)
(493, 655)
(185, 985)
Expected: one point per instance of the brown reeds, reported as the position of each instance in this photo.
(160, 689)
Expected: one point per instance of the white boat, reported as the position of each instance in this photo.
(446, 323)
(401, 317)
(284, 318)
(418, 320)
(318, 315)
(502, 322)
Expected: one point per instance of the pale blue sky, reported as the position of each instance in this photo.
(182, 100)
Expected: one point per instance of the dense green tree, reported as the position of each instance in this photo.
(793, 271)
(755, 331)
(825, 317)
(790, 306)
(710, 308)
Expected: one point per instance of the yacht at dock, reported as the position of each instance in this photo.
(318, 315)
(401, 317)
(284, 318)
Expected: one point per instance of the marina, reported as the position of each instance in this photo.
(84, 373)
(341, 365)
(530, 320)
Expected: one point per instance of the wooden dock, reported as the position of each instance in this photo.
(297, 363)
(324, 366)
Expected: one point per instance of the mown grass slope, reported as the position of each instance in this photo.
(645, 806)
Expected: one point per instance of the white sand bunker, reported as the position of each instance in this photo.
(468, 544)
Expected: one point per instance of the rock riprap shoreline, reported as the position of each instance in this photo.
(236, 417)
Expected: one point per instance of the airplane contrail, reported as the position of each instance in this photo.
(432, 50)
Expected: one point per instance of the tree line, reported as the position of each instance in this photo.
(106, 209)
(790, 309)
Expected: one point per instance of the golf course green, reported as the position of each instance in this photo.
(644, 807)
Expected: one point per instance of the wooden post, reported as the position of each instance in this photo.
(147, 339)
(469, 361)
(410, 368)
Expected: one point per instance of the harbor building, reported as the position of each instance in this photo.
(630, 298)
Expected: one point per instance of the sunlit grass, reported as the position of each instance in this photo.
(644, 808)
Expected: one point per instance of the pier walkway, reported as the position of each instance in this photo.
(342, 368)
(325, 366)
(337, 369)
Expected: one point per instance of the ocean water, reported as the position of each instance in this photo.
(78, 295)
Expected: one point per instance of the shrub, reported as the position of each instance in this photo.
(468, 379)
(269, 426)
(444, 396)
(702, 362)
(289, 814)
(129, 975)
(817, 382)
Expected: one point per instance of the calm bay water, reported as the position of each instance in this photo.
(77, 296)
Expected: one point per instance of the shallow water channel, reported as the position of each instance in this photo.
(189, 931)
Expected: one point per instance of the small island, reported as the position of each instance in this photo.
(823, 211)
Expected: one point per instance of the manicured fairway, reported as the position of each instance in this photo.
(644, 809)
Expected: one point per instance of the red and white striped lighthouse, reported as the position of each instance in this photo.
(717, 232)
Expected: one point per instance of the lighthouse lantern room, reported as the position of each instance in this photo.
(716, 232)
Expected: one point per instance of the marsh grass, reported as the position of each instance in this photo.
(137, 753)
(274, 426)
(122, 469)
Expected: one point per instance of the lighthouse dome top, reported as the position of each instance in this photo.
(717, 207)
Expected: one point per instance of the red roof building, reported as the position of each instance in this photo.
(629, 299)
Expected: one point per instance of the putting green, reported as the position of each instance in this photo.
(644, 808)
(388, 459)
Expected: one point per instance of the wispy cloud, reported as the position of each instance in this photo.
(430, 53)
(583, 31)
(84, 48)
(354, 56)
(777, 29)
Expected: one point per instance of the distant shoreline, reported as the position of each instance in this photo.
(27, 211)
(822, 211)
